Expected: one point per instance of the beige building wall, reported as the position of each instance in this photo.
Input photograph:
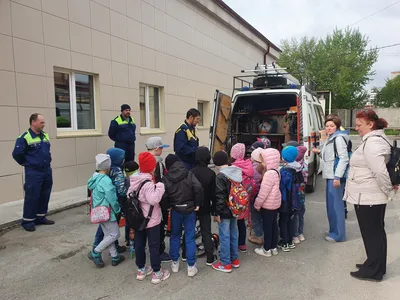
(187, 48)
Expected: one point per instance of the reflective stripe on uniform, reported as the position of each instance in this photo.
(189, 134)
(40, 215)
(30, 141)
(123, 122)
(29, 220)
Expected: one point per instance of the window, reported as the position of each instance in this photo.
(200, 107)
(74, 97)
(320, 116)
(149, 98)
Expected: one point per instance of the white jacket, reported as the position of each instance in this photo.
(368, 181)
(340, 138)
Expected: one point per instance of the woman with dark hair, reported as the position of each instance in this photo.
(335, 156)
(369, 188)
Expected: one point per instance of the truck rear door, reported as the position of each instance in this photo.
(220, 119)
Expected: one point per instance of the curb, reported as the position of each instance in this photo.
(11, 225)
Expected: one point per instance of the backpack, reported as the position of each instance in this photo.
(237, 199)
(349, 145)
(250, 185)
(295, 191)
(393, 166)
(133, 211)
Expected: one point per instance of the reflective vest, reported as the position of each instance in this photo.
(120, 121)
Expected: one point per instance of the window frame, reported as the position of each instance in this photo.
(204, 104)
(147, 106)
(73, 106)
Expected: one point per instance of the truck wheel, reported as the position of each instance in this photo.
(312, 183)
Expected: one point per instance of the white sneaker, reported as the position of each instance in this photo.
(261, 251)
(329, 239)
(175, 266)
(296, 240)
(302, 238)
(275, 251)
(192, 270)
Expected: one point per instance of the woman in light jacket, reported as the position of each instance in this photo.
(334, 176)
(369, 188)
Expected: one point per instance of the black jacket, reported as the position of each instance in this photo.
(207, 178)
(223, 187)
(183, 191)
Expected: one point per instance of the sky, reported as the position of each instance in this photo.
(279, 20)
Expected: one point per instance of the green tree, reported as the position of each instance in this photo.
(340, 63)
(389, 95)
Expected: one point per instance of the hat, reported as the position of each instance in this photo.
(220, 158)
(257, 144)
(103, 162)
(256, 155)
(302, 151)
(238, 150)
(147, 162)
(125, 106)
(289, 154)
(170, 160)
(265, 141)
(291, 143)
(155, 142)
(131, 166)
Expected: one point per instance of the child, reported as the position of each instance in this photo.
(298, 218)
(237, 154)
(185, 195)
(256, 221)
(207, 179)
(155, 146)
(131, 168)
(268, 202)
(288, 172)
(104, 194)
(118, 179)
(227, 224)
(150, 194)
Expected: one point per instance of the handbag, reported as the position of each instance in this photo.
(100, 214)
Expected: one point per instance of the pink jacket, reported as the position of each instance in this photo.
(150, 194)
(269, 197)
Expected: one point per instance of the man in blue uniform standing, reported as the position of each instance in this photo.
(32, 150)
(185, 140)
(122, 132)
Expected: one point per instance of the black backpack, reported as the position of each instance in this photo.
(393, 166)
(133, 211)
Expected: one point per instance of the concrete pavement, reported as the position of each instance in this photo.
(51, 263)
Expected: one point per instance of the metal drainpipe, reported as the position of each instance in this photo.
(266, 53)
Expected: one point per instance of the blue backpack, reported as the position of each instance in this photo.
(349, 145)
(293, 190)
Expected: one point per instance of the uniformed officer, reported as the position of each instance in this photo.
(32, 150)
(185, 140)
(122, 132)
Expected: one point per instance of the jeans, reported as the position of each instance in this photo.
(189, 222)
(270, 226)
(242, 232)
(153, 238)
(335, 211)
(298, 221)
(256, 222)
(205, 228)
(111, 234)
(228, 236)
(286, 227)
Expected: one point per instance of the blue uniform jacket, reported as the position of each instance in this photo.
(122, 130)
(33, 150)
(186, 143)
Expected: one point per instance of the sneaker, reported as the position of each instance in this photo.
(143, 272)
(115, 261)
(284, 247)
(184, 258)
(209, 262)
(165, 257)
(219, 267)
(296, 240)
(329, 239)
(175, 266)
(96, 258)
(275, 251)
(243, 248)
(256, 240)
(159, 276)
(292, 245)
(192, 270)
(302, 238)
(235, 263)
(261, 251)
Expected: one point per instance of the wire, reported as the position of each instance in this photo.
(373, 14)
(383, 47)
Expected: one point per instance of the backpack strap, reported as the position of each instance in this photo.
(391, 147)
(335, 148)
(137, 195)
(277, 172)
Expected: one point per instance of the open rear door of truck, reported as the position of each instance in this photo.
(219, 135)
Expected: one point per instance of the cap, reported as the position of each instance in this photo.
(155, 142)
(103, 162)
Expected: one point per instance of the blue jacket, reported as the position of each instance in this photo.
(186, 143)
(103, 194)
(122, 130)
(116, 174)
(33, 150)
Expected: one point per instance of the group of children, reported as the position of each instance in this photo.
(171, 190)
